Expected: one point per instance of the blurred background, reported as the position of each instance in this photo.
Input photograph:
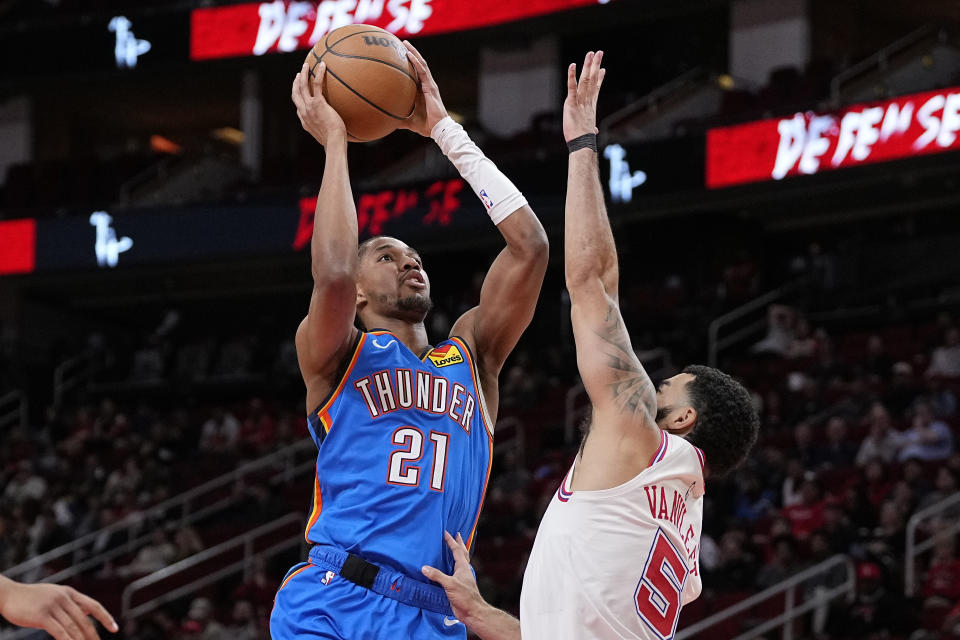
(783, 179)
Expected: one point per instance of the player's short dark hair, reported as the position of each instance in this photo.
(727, 424)
(366, 244)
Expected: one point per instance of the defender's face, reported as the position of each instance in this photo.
(392, 280)
(674, 410)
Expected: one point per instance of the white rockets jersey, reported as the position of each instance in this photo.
(620, 562)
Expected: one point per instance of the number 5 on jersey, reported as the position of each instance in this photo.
(660, 589)
(403, 469)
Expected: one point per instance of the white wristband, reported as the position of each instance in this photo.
(496, 192)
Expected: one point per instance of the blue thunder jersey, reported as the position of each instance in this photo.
(405, 453)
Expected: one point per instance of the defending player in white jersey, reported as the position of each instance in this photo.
(616, 555)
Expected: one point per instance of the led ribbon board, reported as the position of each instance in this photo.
(811, 143)
(257, 28)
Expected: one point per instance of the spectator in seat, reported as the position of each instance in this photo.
(754, 500)
(220, 433)
(737, 567)
(882, 441)
(941, 586)
(838, 452)
(781, 566)
(259, 590)
(887, 541)
(790, 490)
(803, 344)
(943, 401)
(257, 431)
(837, 527)
(903, 389)
(806, 517)
(25, 485)
(780, 323)
(158, 554)
(187, 543)
(804, 449)
(243, 622)
(927, 439)
(945, 359)
(201, 624)
(877, 363)
(946, 485)
(126, 479)
(877, 483)
(875, 612)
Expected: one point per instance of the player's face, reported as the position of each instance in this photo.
(674, 411)
(392, 281)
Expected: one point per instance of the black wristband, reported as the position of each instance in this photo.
(586, 141)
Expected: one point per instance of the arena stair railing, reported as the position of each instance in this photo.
(288, 460)
(13, 410)
(294, 522)
(940, 525)
(819, 599)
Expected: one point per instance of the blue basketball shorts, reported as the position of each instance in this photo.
(314, 602)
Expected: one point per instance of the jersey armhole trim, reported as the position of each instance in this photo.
(661, 451)
(335, 392)
(475, 374)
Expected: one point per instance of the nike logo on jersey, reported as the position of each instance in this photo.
(382, 346)
(449, 622)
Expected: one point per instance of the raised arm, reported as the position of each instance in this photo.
(511, 288)
(623, 433)
(325, 334)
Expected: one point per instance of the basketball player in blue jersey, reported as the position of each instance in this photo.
(404, 428)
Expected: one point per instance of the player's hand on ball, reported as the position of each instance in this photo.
(461, 587)
(429, 109)
(318, 118)
(580, 107)
(60, 611)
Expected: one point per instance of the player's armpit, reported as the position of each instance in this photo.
(509, 293)
(324, 336)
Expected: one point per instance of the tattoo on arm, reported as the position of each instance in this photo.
(631, 389)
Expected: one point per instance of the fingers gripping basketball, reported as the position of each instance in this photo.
(369, 81)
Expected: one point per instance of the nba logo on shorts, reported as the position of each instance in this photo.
(487, 201)
(327, 579)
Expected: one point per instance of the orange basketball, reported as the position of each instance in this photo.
(369, 81)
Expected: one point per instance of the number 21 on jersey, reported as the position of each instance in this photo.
(658, 595)
(403, 469)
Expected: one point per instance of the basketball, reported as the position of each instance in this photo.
(369, 81)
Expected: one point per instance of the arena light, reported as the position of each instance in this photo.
(258, 28)
(107, 246)
(810, 143)
(622, 180)
(127, 47)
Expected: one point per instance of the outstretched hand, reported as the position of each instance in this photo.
(580, 107)
(59, 610)
(429, 109)
(461, 587)
(316, 115)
